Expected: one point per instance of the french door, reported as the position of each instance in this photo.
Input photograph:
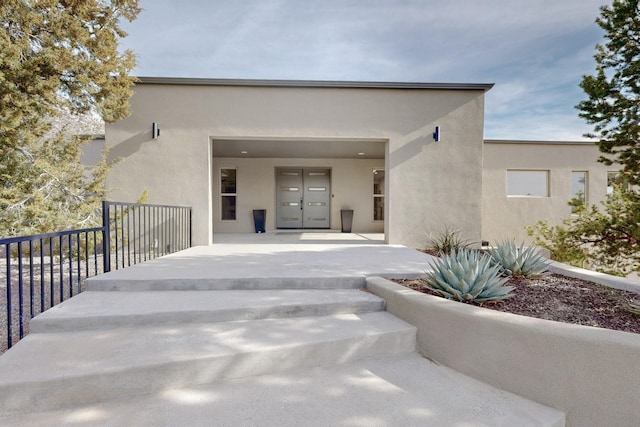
(303, 198)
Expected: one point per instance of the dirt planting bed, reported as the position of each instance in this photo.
(564, 299)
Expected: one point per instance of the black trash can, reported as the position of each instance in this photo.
(346, 216)
(259, 216)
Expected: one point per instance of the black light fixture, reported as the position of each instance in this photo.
(155, 130)
(436, 134)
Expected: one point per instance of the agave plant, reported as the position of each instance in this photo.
(467, 275)
(518, 261)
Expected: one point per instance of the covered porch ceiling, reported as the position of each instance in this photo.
(299, 148)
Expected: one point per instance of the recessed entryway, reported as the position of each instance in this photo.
(303, 198)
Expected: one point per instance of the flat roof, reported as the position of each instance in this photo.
(191, 81)
(524, 141)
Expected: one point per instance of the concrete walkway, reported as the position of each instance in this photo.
(265, 330)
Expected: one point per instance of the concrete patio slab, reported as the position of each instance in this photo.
(267, 266)
(291, 237)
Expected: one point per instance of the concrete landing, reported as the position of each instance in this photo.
(405, 390)
(267, 266)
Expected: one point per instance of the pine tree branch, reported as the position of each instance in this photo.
(25, 153)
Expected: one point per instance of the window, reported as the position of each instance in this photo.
(616, 178)
(528, 183)
(378, 194)
(578, 187)
(228, 194)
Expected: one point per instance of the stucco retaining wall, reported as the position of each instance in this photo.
(594, 276)
(591, 374)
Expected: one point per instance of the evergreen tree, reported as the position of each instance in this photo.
(613, 104)
(608, 240)
(56, 56)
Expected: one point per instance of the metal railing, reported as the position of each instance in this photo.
(140, 232)
(42, 270)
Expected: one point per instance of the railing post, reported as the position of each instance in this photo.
(7, 249)
(190, 227)
(106, 237)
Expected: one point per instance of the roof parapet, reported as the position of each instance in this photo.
(533, 142)
(311, 83)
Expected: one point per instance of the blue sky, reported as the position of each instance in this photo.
(535, 51)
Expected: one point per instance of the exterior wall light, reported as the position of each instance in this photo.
(436, 134)
(155, 130)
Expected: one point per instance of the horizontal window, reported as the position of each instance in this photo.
(528, 183)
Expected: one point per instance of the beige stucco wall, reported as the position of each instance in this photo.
(506, 217)
(428, 183)
(351, 187)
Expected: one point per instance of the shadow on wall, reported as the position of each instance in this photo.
(129, 146)
(412, 144)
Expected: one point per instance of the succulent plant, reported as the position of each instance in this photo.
(467, 275)
(518, 261)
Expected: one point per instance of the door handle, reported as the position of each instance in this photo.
(301, 201)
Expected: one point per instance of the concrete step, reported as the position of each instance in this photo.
(64, 369)
(129, 280)
(106, 310)
(402, 390)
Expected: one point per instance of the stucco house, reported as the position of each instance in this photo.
(407, 158)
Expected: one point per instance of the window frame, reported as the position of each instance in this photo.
(229, 195)
(585, 195)
(379, 196)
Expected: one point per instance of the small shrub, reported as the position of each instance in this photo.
(469, 276)
(518, 261)
(559, 241)
(448, 240)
